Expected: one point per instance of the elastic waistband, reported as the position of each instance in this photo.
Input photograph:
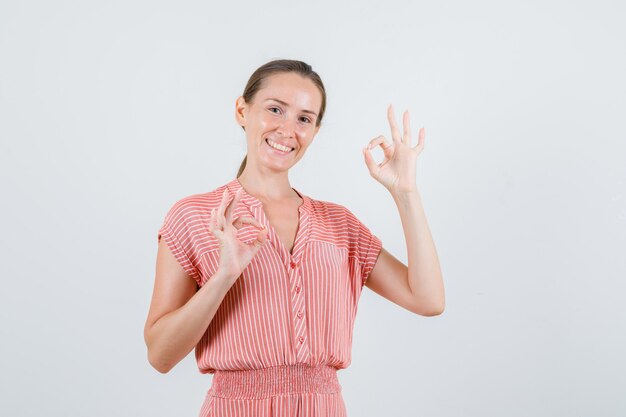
(275, 380)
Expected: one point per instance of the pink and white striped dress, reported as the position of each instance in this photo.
(285, 327)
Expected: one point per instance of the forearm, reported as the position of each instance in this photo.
(424, 272)
(175, 334)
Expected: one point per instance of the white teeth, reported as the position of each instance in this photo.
(278, 146)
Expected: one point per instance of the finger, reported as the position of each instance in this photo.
(260, 240)
(384, 144)
(213, 226)
(220, 210)
(369, 161)
(395, 134)
(420, 139)
(406, 137)
(231, 206)
(241, 221)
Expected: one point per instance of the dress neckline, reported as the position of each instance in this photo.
(256, 208)
(251, 201)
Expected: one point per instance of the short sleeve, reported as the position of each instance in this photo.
(180, 229)
(364, 245)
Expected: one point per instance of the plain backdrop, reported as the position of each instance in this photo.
(112, 111)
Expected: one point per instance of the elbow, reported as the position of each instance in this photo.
(433, 306)
(436, 311)
(154, 358)
(438, 308)
(159, 365)
(429, 310)
(429, 313)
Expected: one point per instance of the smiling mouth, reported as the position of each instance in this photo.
(278, 147)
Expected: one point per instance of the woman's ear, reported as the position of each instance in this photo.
(240, 107)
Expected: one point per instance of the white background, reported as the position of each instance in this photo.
(111, 111)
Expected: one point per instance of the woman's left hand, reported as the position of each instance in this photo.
(397, 171)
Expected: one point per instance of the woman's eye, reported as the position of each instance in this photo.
(305, 119)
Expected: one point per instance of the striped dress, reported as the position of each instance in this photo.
(284, 328)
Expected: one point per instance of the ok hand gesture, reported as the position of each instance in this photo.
(397, 171)
(234, 254)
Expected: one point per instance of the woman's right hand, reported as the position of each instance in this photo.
(234, 254)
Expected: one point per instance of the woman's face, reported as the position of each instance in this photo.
(283, 112)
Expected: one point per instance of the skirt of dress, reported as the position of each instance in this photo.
(298, 390)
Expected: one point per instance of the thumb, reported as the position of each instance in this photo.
(260, 240)
(369, 160)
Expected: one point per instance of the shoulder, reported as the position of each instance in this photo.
(331, 208)
(198, 203)
(332, 215)
(325, 206)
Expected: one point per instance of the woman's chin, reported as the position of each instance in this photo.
(276, 164)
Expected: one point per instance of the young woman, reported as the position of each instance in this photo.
(263, 280)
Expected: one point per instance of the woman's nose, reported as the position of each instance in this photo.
(287, 127)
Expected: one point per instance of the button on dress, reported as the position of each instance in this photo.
(284, 328)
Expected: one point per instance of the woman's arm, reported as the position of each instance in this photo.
(179, 315)
(179, 312)
(424, 271)
(418, 288)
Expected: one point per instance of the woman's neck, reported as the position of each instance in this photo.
(268, 188)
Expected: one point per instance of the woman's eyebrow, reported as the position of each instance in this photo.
(287, 105)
